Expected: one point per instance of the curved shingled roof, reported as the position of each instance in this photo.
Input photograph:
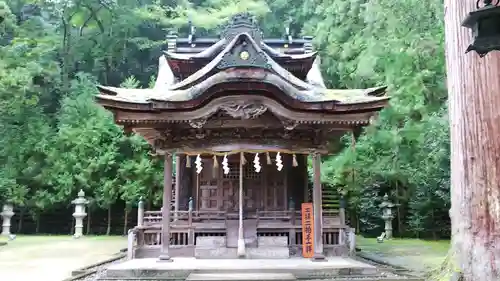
(240, 58)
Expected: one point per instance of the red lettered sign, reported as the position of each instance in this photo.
(307, 230)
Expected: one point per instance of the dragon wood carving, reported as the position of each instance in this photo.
(243, 110)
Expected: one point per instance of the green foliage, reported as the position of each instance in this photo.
(55, 141)
(406, 153)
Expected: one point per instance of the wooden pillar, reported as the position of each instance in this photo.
(317, 209)
(177, 185)
(241, 235)
(167, 200)
(306, 180)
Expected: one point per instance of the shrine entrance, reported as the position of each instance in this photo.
(262, 191)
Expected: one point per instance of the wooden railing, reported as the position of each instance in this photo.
(155, 217)
(186, 225)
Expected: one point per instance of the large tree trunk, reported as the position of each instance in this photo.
(89, 220)
(125, 222)
(108, 229)
(474, 98)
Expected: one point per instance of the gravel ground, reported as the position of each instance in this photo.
(52, 258)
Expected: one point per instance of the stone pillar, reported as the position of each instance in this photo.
(130, 244)
(241, 236)
(177, 185)
(140, 212)
(7, 213)
(317, 209)
(79, 213)
(167, 200)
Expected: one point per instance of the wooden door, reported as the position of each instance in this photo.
(275, 191)
(229, 187)
(209, 195)
(229, 192)
(252, 187)
(230, 184)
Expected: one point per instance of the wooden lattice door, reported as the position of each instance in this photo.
(275, 192)
(229, 186)
(252, 187)
(209, 195)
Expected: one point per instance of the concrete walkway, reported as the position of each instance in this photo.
(52, 258)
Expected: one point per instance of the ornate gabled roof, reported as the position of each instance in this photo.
(241, 61)
(188, 55)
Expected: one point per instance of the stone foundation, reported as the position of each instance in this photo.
(214, 247)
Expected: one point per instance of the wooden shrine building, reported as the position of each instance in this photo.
(241, 113)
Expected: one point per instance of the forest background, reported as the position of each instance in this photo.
(55, 141)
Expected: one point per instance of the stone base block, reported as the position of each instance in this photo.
(251, 253)
(215, 253)
(268, 253)
(211, 241)
(280, 241)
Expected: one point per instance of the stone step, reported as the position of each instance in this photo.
(249, 229)
(240, 277)
(260, 277)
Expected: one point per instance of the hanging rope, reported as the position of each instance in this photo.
(294, 161)
(209, 152)
(216, 164)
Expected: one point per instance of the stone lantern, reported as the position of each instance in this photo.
(79, 213)
(7, 213)
(387, 215)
